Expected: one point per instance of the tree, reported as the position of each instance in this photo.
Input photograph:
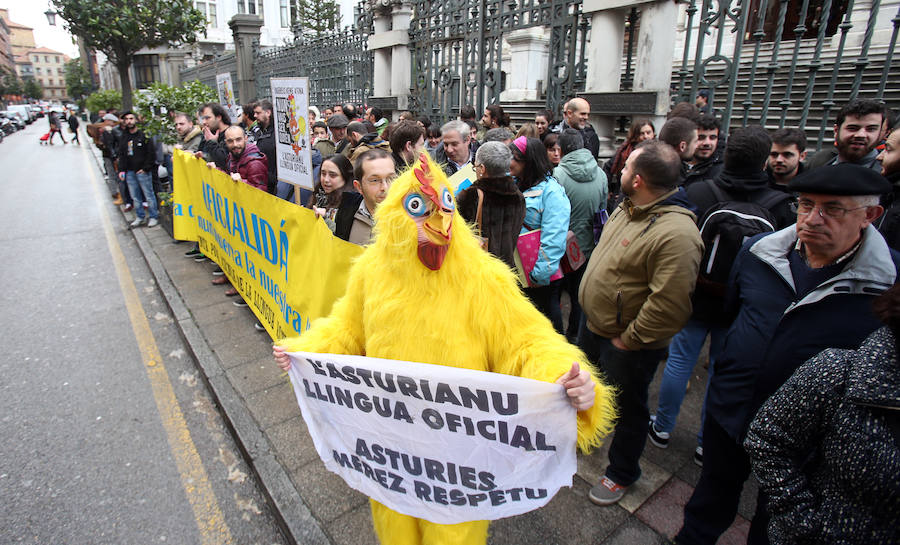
(158, 103)
(10, 84)
(120, 28)
(318, 17)
(78, 81)
(33, 89)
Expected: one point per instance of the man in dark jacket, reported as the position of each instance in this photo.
(137, 156)
(263, 135)
(786, 157)
(73, 122)
(707, 161)
(454, 150)
(857, 131)
(575, 116)
(245, 162)
(889, 224)
(793, 293)
(744, 177)
(214, 119)
(681, 134)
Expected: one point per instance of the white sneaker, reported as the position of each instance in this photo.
(153, 222)
(137, 222)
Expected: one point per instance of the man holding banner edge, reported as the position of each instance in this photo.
(417, 294)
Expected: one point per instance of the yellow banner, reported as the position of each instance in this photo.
(284, 262)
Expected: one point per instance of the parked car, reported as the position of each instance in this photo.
(37, 111)
(25, 111)
(14, 118)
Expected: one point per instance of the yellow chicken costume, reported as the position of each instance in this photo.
(425, 291)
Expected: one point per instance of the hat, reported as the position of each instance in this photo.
(521, 143)
(110, 117)
(840, 179)
(703, 93)
(338, 121)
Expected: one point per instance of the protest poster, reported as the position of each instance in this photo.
(286, 264)
(290, 97)
(441, 443)
(225, 88)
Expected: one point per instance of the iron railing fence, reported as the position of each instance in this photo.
(206, 72)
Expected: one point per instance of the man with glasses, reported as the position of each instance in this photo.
(793, 293)
(374, 173)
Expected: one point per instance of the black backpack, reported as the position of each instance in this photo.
(724, 229)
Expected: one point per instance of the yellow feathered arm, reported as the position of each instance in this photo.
(522, 342)
(341, 332)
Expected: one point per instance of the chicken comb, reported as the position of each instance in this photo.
(423, 174)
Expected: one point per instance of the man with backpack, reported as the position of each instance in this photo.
(737, 205)
(792, 293)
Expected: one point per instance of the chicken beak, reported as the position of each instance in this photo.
(437, 227)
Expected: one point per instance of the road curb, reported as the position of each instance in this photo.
(294, 517)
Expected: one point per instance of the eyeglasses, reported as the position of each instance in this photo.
(830, 210)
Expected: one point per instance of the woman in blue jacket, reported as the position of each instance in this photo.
(546, 208)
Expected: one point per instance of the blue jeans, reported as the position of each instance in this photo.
(683, 353)
(142, 183)
(631, 372)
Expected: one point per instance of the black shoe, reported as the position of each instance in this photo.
(239, 303)
(658, 438)
(258, 326)
(698, 456)
(218, 271)
(199, 258)
(193, 253)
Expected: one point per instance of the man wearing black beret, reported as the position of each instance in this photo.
(792, 294)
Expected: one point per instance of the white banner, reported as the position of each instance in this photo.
(225, 88)
(444, 444)
(290, 97)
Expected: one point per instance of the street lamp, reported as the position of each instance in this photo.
(51, 16)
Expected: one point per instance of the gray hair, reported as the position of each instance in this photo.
(499, 134)
(460, 127)
(867, 200)
(495, 156)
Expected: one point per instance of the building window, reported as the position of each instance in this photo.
(288, 13)
(146, 70)
(37, 59)
(207, 8)
(47, 59)
(37, 71)
(59, 71)
(252, 7)
(56, 59)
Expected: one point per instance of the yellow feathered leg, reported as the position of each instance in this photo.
(394, 528)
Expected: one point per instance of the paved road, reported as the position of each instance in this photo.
(108, 435)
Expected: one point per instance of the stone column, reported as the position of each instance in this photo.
(604, 69)
(381, 76)
(529, 53)
(401, 59)
(653, 56)
(245, 29)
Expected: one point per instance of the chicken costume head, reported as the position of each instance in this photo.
(425, 291)
(419, 217)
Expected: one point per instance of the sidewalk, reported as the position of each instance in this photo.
(316, 507)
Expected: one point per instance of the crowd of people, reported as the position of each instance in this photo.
(686, 233)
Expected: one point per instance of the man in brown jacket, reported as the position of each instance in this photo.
(636, 294)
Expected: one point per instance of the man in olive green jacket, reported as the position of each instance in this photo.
(636, 294)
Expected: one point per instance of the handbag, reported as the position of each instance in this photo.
(574, 258)
(528, 247)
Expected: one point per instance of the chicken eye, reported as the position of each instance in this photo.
(415, 205)
(447, 199)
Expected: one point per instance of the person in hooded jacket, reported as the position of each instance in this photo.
(586, 187)
(245, 162)
(743, 179)
(636, 295)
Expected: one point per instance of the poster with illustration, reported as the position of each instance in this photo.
(226, 96)
(290, 97)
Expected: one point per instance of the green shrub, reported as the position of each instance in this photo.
(109, 99)
(158, 103)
